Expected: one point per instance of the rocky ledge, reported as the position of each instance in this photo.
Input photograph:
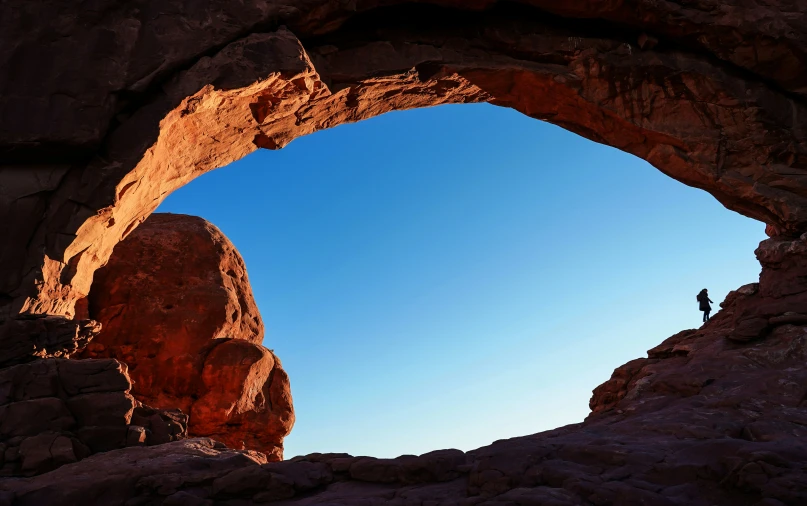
(710, 417)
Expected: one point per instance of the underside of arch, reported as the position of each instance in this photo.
(149, 102)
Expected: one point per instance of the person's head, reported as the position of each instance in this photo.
(704, 290)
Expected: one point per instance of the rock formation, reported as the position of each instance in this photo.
(706, 419)
(176, 306)
(56, 411)
(102, 115)
(39, 336)
(106, 110)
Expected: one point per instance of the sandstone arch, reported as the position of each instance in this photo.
(103, 113)
(107, 107)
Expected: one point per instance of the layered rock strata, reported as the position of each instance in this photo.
(176, 306)
(28, 337)
(55, 412)
(104, 113)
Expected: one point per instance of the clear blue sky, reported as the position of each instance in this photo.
(447, 277)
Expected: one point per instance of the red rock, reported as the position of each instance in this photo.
(103, 114)
(247, 402)
(156, 426)
(46, 451)
(708, 422)
(136, 436)
(176, 306)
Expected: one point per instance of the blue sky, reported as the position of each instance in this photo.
(447, 277)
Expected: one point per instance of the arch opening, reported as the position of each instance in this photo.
(308, 184)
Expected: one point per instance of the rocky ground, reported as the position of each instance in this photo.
(712, 416)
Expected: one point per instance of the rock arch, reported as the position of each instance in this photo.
(103, 113)
(106, 108)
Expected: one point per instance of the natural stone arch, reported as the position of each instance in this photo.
(152, 101)
(105, 108)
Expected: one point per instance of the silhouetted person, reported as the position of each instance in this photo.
(704, 300)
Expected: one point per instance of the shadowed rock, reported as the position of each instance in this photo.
(54, 412)
(27, 338)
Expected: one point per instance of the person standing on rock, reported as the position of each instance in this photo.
(704, 300)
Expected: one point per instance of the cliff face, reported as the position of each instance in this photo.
(710, 417)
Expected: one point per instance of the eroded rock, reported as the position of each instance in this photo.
(247, 401)
(105, 112)
(56, 411)
(151, 426)
(176, 307)
(26, 338)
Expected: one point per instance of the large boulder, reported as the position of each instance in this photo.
(175, 304)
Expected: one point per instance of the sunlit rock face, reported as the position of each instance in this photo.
(102, 115)
(175, 305)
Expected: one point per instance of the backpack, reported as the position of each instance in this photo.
(699, 298)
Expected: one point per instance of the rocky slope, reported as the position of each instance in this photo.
(175, 305)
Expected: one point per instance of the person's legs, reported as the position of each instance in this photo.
(706, 316)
